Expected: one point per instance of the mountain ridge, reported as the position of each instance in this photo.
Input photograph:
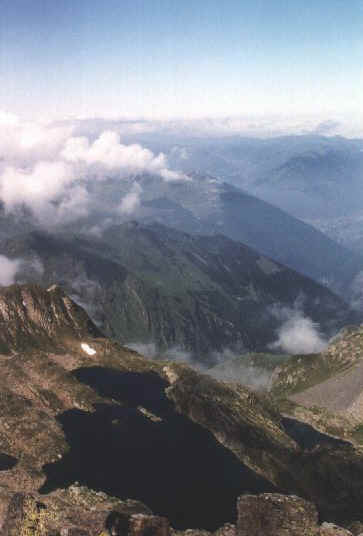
(150, 283)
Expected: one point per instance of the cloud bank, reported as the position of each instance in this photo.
(48, 170)
(251, 125)
(106, 153)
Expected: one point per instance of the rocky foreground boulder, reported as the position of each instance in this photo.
(28, 516)
(273, 514)
(276, 515)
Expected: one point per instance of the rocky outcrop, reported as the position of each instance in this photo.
(356, 528)
(78, 512)
(329, 529)
(31, 317)
(143, 525)
(245, 414)
(272, 514)
(276, 515)
(93, 514)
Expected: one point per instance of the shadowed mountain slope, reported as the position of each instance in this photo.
(207, 205)
(151, 283)
(215, 206)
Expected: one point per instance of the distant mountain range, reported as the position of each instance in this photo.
(315, 178)
(206, 205)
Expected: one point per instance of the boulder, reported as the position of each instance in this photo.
(273, 514)
(356, 528)
(227, 530)
(148, 525)
(329, 529)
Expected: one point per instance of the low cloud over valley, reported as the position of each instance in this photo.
(13, 270)
(8, 270)
(49, 171)
(297, 334)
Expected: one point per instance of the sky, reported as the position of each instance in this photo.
(180, 59)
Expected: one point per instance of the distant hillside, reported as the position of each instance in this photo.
(209, 206)
(316, 184)
(150, 283)
(313, 177)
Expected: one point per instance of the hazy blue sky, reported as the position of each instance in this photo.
(180, 57)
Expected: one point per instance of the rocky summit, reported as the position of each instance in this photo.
(97, 440)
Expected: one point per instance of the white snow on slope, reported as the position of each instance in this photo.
(86, 348)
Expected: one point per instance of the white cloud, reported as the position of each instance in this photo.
(20, 270)
(39, 188)
(234, 370)
(8, 119)
(74, 204)
(107, 153)
(40, 185)
(26, 143)
(298, 334)
(46, 169)
(148, 350)
(131, 201)
(180, 153)
(8, 270)
(230, 365)
(168, 175)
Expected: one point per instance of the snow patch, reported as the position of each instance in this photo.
(86, 348)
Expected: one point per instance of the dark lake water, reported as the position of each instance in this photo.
(174, 466)
(307, 437)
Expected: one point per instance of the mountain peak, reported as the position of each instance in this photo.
(33, 317)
